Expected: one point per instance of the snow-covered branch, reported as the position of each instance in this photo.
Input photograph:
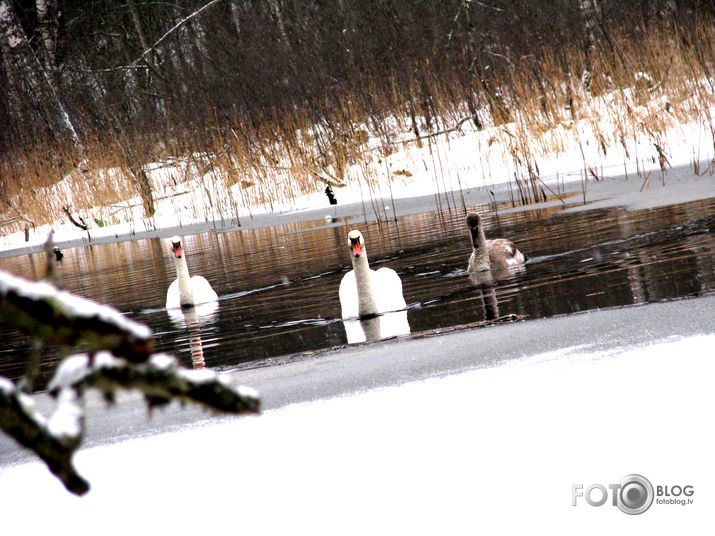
(120, 358)
(20, 420)
(44, 311)
(160, 378)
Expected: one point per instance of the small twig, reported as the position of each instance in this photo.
(330, 180)
(17, 212)
(645, 182)
(81, 223)
(550, 190)
(439, 132)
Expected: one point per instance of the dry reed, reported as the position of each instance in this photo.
(638, 89)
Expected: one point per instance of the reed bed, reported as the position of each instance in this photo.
(617, 95)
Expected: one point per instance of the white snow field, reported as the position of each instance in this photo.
(488, 451)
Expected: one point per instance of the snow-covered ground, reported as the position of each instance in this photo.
(493, 451)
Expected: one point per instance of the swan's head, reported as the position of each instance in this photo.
(473, 221)
(176, 246)
(356, 243)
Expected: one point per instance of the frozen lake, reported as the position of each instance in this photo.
(460, 433)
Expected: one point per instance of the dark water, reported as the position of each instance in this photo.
(278, 286)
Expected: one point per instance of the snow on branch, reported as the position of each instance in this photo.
(120, 358)
(20, 420)
(160, 378)
(44, 311)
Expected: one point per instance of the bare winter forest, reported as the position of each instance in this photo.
(244, 83)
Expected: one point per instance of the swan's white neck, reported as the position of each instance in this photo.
(363, 279)
(186, 297)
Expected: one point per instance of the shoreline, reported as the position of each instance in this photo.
(678, 185)
(346, 370)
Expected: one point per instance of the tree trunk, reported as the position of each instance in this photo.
(47, 18)
(236, 16)
(25, 68)
(137, 24)
(278, 15)
(591, 11)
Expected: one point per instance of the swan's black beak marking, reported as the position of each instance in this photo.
(355, 246)
(176, 246)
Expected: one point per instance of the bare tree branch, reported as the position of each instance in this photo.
(20, 421)
(81, 223)
(172, 30)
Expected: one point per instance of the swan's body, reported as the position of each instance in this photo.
(365, 292)
(187, 291)
(359, 299)
(495, 254)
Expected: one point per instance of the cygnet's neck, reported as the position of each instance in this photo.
(363, 279)
(186, 297)
(480, 253)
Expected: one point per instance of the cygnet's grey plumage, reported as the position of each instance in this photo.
(486, 254)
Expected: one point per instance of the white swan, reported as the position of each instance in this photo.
(496, 254)
(365, 292)
(187, 291)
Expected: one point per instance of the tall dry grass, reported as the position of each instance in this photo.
(635, 89)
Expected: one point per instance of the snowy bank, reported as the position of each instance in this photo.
(481, 165)
(457, 433)
(493, 450)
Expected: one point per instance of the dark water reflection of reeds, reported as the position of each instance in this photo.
(278, 286)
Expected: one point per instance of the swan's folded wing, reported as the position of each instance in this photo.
(503, 251)
(387, 287)
(201, 290)
(348, 296)
(172, 295)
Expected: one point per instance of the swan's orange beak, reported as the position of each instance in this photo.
(177, 251)
(356, 249)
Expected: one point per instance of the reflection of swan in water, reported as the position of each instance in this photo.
(371, 301)
(377, 327)
(193, 318)
(187, 291)
(190, 318)
(497, 254)
(204, 313)
(486, 282)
